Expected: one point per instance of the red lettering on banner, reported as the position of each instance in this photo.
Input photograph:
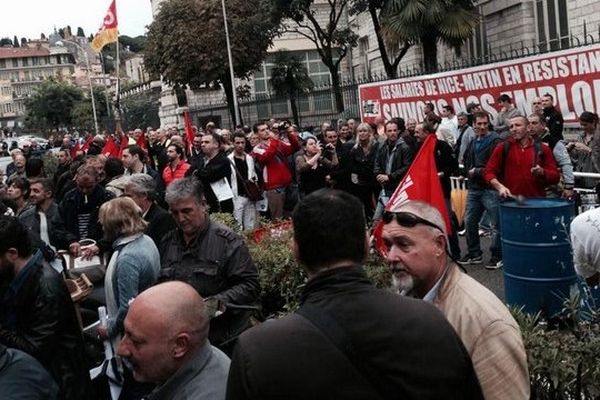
(572, 77)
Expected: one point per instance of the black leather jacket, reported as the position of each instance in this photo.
(40, 319)
(402, 158)
(60, 237)
(217, 264)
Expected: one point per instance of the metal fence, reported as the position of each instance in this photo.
(318, 105)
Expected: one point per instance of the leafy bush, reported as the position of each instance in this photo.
(563, 356)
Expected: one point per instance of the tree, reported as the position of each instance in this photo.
(24, 42)
(391, 54)
(82, 114)
(290, 78)
(428, 22)
(186, 41)
(141, 111)
(80, 32)
(51, 104)
(5, 42)
(61, 32)
(43, 36)
(135, 44)
(16, 41)
(332, 38)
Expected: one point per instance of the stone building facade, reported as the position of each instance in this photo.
(507, 29)
(22, 70)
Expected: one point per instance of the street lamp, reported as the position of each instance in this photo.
(87, 62)
(236, 109)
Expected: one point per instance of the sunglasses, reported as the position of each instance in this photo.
(407, 219)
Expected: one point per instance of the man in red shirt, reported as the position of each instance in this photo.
(271, 153)
(514, 169)
(176, 167)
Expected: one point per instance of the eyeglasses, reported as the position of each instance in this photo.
(407, 219)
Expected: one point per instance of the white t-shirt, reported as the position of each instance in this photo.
(585, 239)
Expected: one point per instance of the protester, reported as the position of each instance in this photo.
(166, 343)
(23, 377)
(214, 171)
(553, 117)
(585, 240)
(17, 194)
(271, 154)
(46, 227)
(581, 149)
(18, 170)
(362, 163)
(312, 167)
(210, 257)
(450, 123)
(391, 164)
(158, 151)
(176, 166)
(36, 312)
(538, 131)
(506, 113)
(134, 263)
(80, 206)
(141, 188)
(370, 343)
(466, 134)
(242, 171)
(416, 245)
(481, 197)
(521, 166)
(64, 162)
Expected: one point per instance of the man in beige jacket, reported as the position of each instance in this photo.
(416, 242)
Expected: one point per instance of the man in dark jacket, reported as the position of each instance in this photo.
(46, 227)
(141, 188)
(481, 196)
(391, 164)
(214, 169)
(210, 257)
(80, 206)
(36, 312)
(23, 377)
(553, 117)
(348, 340)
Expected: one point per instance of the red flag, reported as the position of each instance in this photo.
(189, 131)
(110, 149)
(421, 182)
(141, 141)
(108, 32)
(124, 144)
(88, 143)
(75, 149)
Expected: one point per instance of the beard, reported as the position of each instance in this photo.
(402, 281)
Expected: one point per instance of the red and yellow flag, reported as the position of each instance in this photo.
(109, 32)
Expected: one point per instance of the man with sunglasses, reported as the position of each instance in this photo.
(348, 340)
(416, 245)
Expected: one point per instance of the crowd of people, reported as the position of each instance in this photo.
(180, 288)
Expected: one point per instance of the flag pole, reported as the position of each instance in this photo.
(118, 101)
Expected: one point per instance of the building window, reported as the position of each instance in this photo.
(2, 63)
(25, 61)
(552, 24)
(363, 53)
(478, 44)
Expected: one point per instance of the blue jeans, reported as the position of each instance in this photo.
(478, 201)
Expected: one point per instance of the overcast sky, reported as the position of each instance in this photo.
(29, 18)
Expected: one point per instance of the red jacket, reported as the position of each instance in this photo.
(516, 174)
(169, 175)
(272, 156)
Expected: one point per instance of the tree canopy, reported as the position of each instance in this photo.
(407, 22)
(332, 37)
(186, 41)
(51, 104)
(289, 77)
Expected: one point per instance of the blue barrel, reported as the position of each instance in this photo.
(536, 251)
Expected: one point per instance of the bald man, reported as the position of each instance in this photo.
(165, 342)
